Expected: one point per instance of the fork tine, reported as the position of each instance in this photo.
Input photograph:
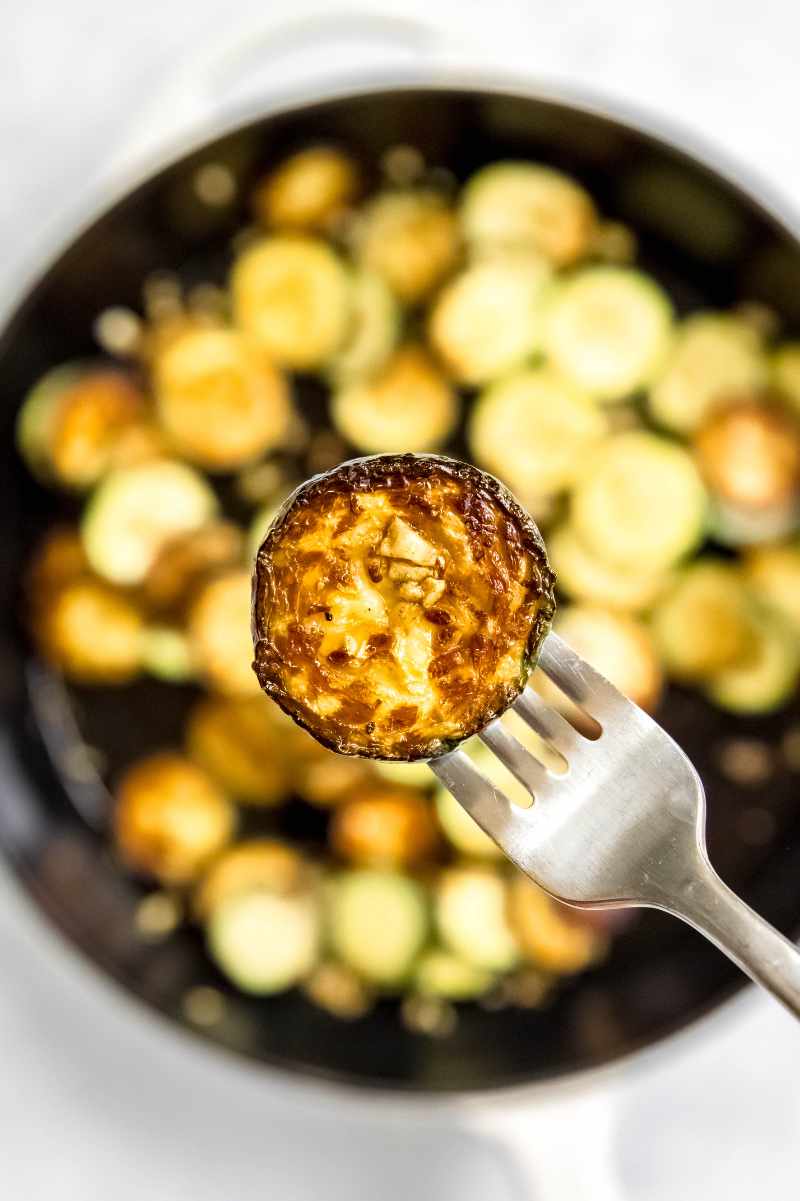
(519, 761)
(487, 804)
(548, 724)
(573, 675)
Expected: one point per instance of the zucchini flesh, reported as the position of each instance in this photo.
(135, 511)
(716, 357)
(219, 634)
(308, 190)
(619, 646)
(408, 406)
(703, 624)
(378, 924)
(773, 573)
(471, 917)
(91, 632)
(440, 973)
(642, 504)
(786, 373)
(585, 576)
(488, 320)
(536, 430)
(609, 330)
(767, 677)
(265, 943)
(220, 401)
(528, 205)
(292, 297)
(411, 239)
(373, 333)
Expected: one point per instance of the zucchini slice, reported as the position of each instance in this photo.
(219, 633)
(440, 973)
(219, 399)
(716, 357)
(258, 863)
(308, 190)
(619, 647)
(749, 455)
(186, 561)
(536, 430)
(398, 603)
(384, 827)
(585, 576)
(408, 406)
(773, 573)
(704, 623)
(550, 938)
(292, 296)
(608, 329)
(37, 415)
(785, 373)
(90, 632)
(170, 818)
(379, 923)
(135, 511)
(241, 743)
(165, 654)
(411, 238)
(642, 504)
(263, 942)
(766, 679)
(373, 334)
(471, 904)
(461, 830)
(530, 205)
(489, 319)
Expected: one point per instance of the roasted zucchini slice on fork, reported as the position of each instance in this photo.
(399, 603)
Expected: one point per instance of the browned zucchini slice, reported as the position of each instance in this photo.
(385, 827)
(399, 603)
(749, 454)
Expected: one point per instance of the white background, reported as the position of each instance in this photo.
(97, 1101)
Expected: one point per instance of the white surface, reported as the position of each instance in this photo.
(98, 1103)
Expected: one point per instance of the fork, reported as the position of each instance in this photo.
(624, 825)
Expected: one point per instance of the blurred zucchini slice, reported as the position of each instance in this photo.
(704, 623)
(170, 818)
(379, 922)
(241, 742)
(384, 827)
(471, 904)
(165, 654)
(292, 297)
(461, 830)
(619, 647)
(186, 561)
(408, 406)
(749, 455)
(585, 576)
(373, 334)
(399, 602)
(773, 573)
(766, 679)
(37, 414)
(530, 205)
(550, 939)
(410, 238)
(308, 190)
(219, 399)
(258, 863)
(641, 505)
(440, 973)
(91, 632)
(489, 319)
(785, 373)
(265, 943)
(219, 633)
(608, 329)
(716, 357)
(135, 511)
(536, 430)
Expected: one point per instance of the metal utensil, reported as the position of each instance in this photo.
(623, 825)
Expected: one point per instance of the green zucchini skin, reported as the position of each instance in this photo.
(365, 474)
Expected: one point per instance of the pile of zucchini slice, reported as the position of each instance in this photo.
(507, 321)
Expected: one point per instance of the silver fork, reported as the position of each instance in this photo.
(625, 824)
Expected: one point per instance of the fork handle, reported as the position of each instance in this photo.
(771, 960)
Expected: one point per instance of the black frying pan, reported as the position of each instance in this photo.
(709, 243)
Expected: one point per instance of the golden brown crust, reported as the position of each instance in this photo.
(399, 602)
